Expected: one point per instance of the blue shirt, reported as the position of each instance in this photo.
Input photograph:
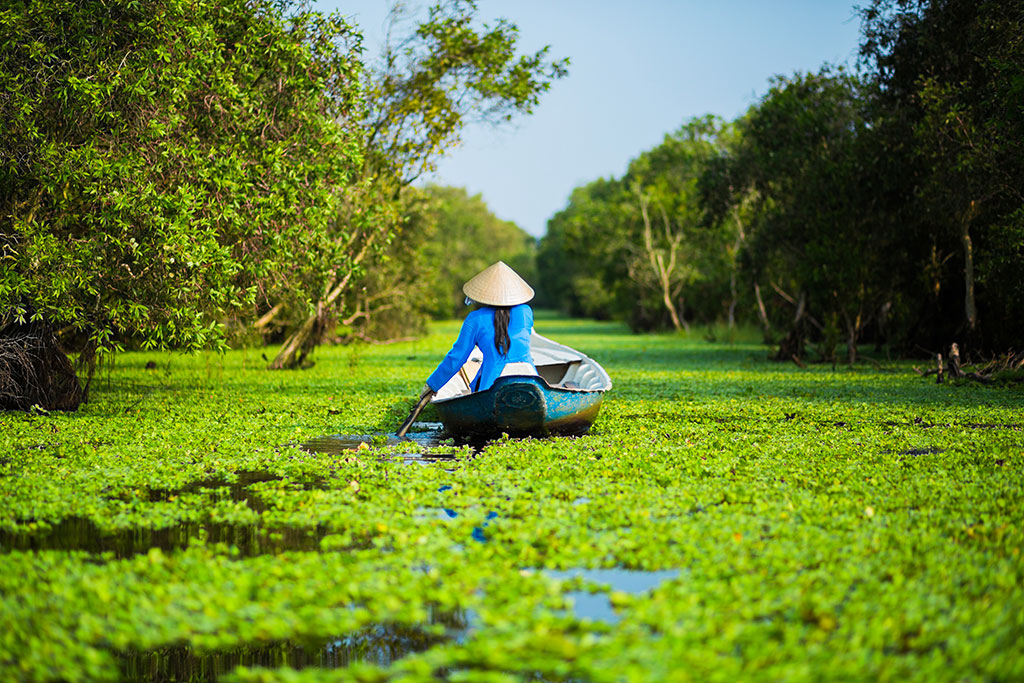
(478, 330)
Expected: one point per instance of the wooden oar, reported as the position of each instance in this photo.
(424, 400)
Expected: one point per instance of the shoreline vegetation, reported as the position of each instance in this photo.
(800, 523)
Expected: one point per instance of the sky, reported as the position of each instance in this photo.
(638, 70)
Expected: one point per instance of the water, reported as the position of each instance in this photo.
(250, 539)
(80, 533)
(236, 490)
(380, 644)
(426, 436)
(596, 606)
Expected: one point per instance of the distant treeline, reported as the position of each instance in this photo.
(884, 205)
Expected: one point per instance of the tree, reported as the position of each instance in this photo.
(807, 163)
(951, 75)
(580, 260)
(445, 73)
(445, 236)
(679, 252)
(164, 164)
(728, 202)
(636, 248)
(469, 238)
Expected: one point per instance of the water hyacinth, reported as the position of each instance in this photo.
(791, 523)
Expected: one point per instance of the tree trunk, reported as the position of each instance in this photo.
(662, 272)
(303, 340)
(740, 240)
(954, 361)
(761, 312)
(851, 344)
(261, 323)
(35, 372)
(792, 347)
(670, 305)
(970, 310)
(300, 343)
(732, 301)
(852, 334)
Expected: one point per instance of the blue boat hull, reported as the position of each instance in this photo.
(520, 406)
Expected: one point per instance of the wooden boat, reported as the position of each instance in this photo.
(563, 399)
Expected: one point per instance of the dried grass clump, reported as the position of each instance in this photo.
(34, 371)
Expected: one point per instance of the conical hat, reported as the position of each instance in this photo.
(498, 285)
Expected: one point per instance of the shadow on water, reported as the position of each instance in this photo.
(380, 644)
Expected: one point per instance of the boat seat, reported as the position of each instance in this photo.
(554, 373)
(583, 376)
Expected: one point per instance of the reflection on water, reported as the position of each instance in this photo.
(80, 533)
(380, 644)
(447, 514)
(425, 440)
(425, 436)
(250, 539)
(595, 606)
(235, 489)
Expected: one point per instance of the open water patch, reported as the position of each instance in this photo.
(380, 644)
(424, 439)
(597, 606)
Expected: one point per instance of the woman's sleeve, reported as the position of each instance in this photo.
(456, 357)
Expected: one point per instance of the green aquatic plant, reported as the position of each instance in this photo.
(850, 523)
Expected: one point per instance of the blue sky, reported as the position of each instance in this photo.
(638, 70)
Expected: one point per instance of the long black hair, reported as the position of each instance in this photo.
(501, 340)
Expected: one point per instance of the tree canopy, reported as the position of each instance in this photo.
(635, 247)
(445, 70)
(164, 163)
(882, 204)
(171, 171)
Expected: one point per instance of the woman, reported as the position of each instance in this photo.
(500, 328)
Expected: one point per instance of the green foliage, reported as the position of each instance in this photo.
(635, 248)
(442, 238)
(164, 163)
(468, 239)
(883, 206)
(446, 73)
(577, 259)
(863, 522)
(806, 168)
(950, 76)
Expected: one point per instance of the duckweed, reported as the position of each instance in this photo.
(793, 523)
